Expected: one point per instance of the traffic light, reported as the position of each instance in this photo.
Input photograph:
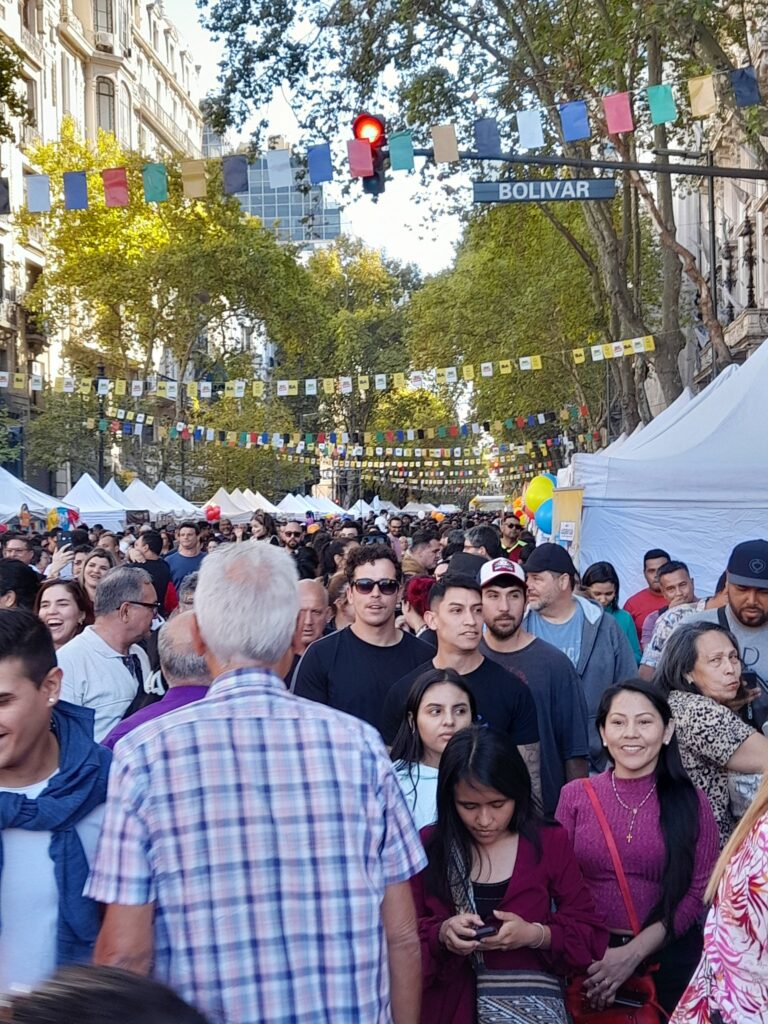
(372, 129)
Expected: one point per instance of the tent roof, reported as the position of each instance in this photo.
(95, 504)
(293, 504)
(112, 488)
(14, 493)
(142, 498)
(230, 509)
(258, 502)
(360, 508)
(328, 507)
(176, 505)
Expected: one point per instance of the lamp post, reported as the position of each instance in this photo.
(100, 373)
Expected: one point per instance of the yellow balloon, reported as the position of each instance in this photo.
(539, 490)
(517, 503)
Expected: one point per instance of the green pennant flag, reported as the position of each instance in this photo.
(662, 103)
(401, 151)
(155, 183)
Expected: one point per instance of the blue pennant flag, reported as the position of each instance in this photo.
(75, 190)
(235, 173)
(319, 163)
(575, 121)
(487, 140)
(745, 87)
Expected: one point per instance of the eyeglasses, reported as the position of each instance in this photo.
(154, 605)
(291, 533)
(387, 587)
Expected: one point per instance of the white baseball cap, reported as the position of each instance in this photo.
(501, 569)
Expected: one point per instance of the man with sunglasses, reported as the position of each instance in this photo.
(104, 667)
(352, 670)
(292, 535)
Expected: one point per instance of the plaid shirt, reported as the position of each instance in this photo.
(265, 828)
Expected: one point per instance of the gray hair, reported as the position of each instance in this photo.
(125, 583)
(188, 586)
(680, 655)
(246, 602)
(177, 663)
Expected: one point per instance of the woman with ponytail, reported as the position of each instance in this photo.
(730, 985)
(666, 842)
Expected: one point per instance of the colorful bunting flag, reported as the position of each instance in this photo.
(360, 158)
(75, 190)
(38, 193)
(661, 102)
(193, 179)
(745, 87)
(530, 128)
(234, 171)
(115, 181)
(702, 94)
(487, 139)
(155, 178)
(279, 168)
(618, 113)
(401, 151)
(444, 144)
(574, 118)
(319, 163)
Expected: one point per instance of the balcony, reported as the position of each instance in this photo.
(34, 333)
(71, 25)
(166, 124)
(32, 45)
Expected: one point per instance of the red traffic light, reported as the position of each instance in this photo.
(370, 128)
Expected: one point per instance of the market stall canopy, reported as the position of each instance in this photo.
(112, 489)
(96, 506)
(14, 493)
(361, 509)
(229, 509)
(258, 502)
(293, 505)
(141, 498)
(179, 507)
(694, 484)
(328, 507)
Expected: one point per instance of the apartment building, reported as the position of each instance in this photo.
(116, 65)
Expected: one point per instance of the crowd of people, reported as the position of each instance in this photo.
(387, 771)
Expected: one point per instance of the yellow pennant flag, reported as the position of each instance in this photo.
(192, 389)
(257, 387)
(229, 389)
(58, 385)
(535, 362)
(329, 385)
(579, 356)
(650, 344)
(293, 388)
(84, 386)
(364, 382)
(162, 389)
(398, 380)
(608, 351)
(193, 179)
(440, 375)
(121, 387)
(468, 371)
(505, 366)
(628, 347)
(702, 93)
(20, 381)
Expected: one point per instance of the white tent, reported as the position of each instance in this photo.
(388, 506)
(327, 507)
(360, 509)
(112, 489)
(694, 485)
(230, 509)
(178, 506)
(293, 505)
(258, 502)
(141, 498)
(14, 493)
(95, 505)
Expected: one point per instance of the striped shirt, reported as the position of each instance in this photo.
(265, 829)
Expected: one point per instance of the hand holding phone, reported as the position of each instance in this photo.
(486, 931)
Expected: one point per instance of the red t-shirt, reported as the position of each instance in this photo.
(641, 604)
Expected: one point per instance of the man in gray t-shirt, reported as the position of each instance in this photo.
(746, 613)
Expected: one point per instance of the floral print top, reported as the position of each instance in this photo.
(732, 977)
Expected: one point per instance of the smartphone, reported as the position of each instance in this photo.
(626, 1000)
(486, 931)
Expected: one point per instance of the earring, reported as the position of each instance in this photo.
(51, 700)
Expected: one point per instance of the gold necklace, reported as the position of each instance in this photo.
(632, 810)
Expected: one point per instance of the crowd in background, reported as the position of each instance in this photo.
(401, 769)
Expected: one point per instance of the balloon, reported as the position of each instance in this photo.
(213, 513)
(544, 516)
(524, 519)
(517, 504)
(527, 514)
(551, 477)
(539, 489)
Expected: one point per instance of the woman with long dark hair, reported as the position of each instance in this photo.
(439, 704)
(601, 583)
(496, 864)
(666, 839)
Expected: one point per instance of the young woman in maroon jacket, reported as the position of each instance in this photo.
(493, 860)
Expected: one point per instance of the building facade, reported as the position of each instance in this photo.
(113, 65)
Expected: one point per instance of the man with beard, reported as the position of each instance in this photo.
(292, 536)
(746, 613)
(549, 674)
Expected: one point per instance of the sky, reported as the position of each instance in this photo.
(395, 223)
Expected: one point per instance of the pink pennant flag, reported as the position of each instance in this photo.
(618, 113)
(360, 158)
(115, 186)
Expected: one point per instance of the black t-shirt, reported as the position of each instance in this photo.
(348, 674)
(560, 705)
(160, 572)
(503, 702)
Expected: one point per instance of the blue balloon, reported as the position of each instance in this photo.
(544, 517)
(551, 477)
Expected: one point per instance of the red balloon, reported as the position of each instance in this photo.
(213, 513)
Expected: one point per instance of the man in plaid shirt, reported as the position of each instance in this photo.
(256, 847)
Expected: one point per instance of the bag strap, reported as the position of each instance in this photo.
(722, 618)
(610, 842)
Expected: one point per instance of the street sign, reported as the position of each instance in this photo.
(543, 190)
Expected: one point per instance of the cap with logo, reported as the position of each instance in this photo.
(550, 558)
(748, 564)
(501, 570)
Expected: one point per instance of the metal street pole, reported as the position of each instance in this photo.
(712, 253)
(100, 371)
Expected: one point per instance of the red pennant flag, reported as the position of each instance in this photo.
(360, 158)
(115, 186)
(321, 438)
(390, 435)
(453, 430)
(618, 113)
(584, 410)
(520, 422)
(254, 437)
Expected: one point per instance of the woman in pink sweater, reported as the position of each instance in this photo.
(667, 842)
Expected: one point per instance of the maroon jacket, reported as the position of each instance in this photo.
(578, 935)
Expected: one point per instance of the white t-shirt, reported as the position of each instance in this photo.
(29, 898)
(95, 676)
(421, 797)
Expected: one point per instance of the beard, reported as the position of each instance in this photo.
(503, 629)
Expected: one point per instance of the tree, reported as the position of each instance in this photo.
(61, 434)
(430, 60)
(13, 102)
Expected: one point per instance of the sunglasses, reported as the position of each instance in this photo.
(387, 587)
(154, 605)
(291, 533)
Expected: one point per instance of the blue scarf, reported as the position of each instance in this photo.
(79, 786)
